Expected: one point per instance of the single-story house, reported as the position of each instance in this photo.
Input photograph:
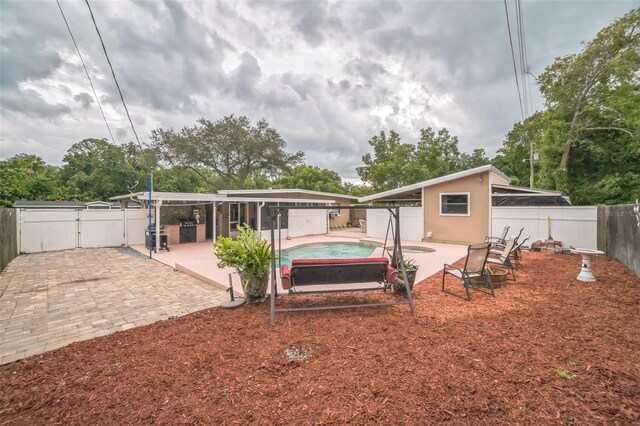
(196, 217)
(457, 208)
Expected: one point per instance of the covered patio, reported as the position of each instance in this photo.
(180, 218)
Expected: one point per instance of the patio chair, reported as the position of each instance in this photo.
(500, 246)
(504, 258)
(500, 239)
(517, 252)
(363, 225)
(474, 268)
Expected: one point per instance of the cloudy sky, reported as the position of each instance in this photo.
(326, 75)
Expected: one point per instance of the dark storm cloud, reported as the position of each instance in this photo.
(31, 104)
(84, 99)
(313, 20)
(365, 69)
(327, 76)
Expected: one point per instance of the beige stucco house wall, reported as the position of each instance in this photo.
(467, 229)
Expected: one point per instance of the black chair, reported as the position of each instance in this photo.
(474, 268)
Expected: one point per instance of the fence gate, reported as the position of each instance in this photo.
(48, 230)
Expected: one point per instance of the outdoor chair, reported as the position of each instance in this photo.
(474, 269)
(517, 252)
(500, 239)
(363, 225)
(500, 246)
(504, 257)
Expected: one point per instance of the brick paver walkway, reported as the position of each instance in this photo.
(49, 300)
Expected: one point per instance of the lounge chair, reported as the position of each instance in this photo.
(500, 239)
(504, 257)
(474, 267)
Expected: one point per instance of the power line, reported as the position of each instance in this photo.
(513, 58)
(104, 49)
(86, 71)
(522, 53)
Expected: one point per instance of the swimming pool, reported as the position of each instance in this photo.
(335, 250)
(341, 250)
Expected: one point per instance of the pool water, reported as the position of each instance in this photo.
(327, 251)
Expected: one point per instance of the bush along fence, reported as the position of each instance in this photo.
(619, 233)
(8, 236)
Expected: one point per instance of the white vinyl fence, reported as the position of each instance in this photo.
(575, 226)
(411, 223)
(308, 222)
(47, 230)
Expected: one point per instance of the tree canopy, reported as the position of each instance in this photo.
(27, 176)
(588, 137)
(225, 153)
(394, 163)
(311, 178)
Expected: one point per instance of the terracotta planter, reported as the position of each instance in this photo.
(255, 290)
(411, 276)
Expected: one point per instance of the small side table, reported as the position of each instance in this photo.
(585, 274)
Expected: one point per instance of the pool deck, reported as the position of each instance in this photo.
(199, 261)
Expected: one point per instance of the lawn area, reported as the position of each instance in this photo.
(547, 350)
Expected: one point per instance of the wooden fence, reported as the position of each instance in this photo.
(8, 236)
(619, 234)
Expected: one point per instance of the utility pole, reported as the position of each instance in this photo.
(531, 159)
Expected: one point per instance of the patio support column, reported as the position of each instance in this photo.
(158, 204)
(214, 234)
(259, 218)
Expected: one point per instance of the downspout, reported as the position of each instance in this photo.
(490, 204)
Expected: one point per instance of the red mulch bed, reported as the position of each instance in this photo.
(490, 361)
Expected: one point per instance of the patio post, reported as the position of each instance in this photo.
(213, 222)
(158, 204)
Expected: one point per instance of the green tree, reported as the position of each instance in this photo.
(95, 169)
(226, 153)
(312, 178)
(595, 94)
(514, 155)
(27, 176)
(394, 164)
(391, 164)
(438, 154)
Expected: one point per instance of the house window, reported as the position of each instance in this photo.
(454, 204)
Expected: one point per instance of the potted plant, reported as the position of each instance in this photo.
(411, 269)
(250, 255)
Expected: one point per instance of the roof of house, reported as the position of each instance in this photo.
(284, 191)
(416, 186)
(46, 204)
(522, 190)
(205, 197)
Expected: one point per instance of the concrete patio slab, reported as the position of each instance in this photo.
(198, 259)
(49, 300)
